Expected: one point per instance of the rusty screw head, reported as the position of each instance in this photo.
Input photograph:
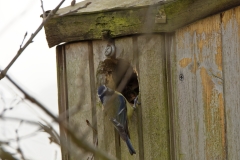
(110, 51)
(181, 77)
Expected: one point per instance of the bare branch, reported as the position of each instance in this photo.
(81, 143)
(75, 10)
(5, 154)
(18, 119)
(44, 14)
(19, 150)
(23, 40)
(54, 137)
(30, 40)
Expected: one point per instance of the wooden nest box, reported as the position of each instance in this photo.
(181, 57)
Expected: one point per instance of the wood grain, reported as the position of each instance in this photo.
(153, 97)
(170, 48)
(79, 92)
(130, 20)
(198, 94)
(62, 96)
(124, 50)
(106, 133)
(231, 68)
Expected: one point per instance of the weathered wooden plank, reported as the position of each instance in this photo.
(98, 55)
(100, 5)
(153, 97)
(79, 92)
(170, 48)
(62, 96)
(231, 66)
(124, 50)
(139, 108)
(132, 20)
(198, 91)
(93, 94)
(106, 134)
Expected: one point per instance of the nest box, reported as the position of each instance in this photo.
(181, 57)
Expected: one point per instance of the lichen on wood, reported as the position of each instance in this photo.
(132, 20)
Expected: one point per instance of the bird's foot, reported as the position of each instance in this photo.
(136, 102)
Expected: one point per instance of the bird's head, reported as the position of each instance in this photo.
(102, 90)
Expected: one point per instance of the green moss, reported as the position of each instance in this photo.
(177, 7)
(131, 21)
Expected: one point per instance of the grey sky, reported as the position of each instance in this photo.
(35, 70)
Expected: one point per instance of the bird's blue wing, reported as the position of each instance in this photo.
(122, 113)
(121, 121)
(122, 110)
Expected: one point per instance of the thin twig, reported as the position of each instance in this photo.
(26, 136)
(19, 150)
(19, 119)
(75, 10)
(44, 14)
(89, 124)
(5, 154)
(30, 40)
(23, 40)
(54, 137)
(80, 142)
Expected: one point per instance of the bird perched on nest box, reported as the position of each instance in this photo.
(113, 100)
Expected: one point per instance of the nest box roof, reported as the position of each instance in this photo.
(108, 5)
(128, 17)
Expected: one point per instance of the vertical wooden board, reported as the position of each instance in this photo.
(79, 92)
(153, 96)
(106, 135)
(231, 68)
(198, 91)
(124, 50)
(62, 96)
(99, 47)
(170, 48)
(93, 95)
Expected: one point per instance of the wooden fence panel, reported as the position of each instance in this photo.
(125, 51)
(170, 48)
(153, 96)
(62, 96)
(106, 134)
(231, 68)
(79, 92)
(198, 91)
(189, 92)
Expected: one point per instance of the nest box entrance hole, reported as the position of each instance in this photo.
(118, 74)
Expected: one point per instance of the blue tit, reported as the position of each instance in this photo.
(130, 108)
(116, 101)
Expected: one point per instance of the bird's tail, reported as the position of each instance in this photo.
(130, 147)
